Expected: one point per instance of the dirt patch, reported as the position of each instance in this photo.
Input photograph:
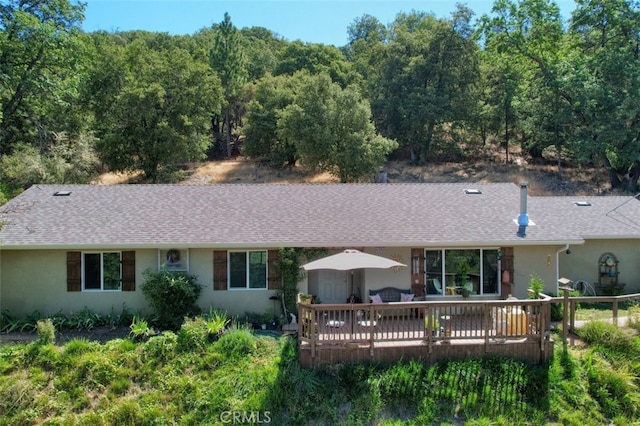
(544, 179)
(242, 170)
(97, 334)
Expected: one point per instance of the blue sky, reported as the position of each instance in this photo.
(313, 21)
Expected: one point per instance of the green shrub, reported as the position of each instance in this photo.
(120, 386)
(606, 335)
(160, 349)
(556, 312)
(140, 329)
(16, 396)
(193, 335)
(79, 346)
(614, 390)
(216, 322)
(634, 317)
(237, 343)
(172, 296)
(46, 332)
(127, 412)
(536, 286)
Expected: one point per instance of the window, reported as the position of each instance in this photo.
(248, 269)
(451, 272)
(174, 259)
(101, 271)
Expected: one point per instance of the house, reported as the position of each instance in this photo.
(67, 247)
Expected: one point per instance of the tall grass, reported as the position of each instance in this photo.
(169, 380)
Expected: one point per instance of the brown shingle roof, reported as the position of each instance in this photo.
(302, 215)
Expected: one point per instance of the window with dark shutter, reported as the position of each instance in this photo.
(128, 271)
(220, 270)
(74, 271)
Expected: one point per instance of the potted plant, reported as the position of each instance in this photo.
(268, 320)
(466, 289)
(536, 286)
(466, 286)
(254, 319)
(435, 326)
(447, 335)
(215, 322)
(305, 298)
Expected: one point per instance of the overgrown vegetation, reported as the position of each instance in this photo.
(188, 377)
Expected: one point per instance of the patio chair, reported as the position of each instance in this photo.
(436, 285)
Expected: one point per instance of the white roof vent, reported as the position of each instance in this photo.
(472, 191)
(582, 203)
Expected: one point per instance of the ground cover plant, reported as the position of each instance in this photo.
(190, 377)
(80, 321)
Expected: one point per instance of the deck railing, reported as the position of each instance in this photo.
(429, 322)
(569, 314)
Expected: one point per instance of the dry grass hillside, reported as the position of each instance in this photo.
(543, 179)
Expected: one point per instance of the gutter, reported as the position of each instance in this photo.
(566, 248)
(272, 244)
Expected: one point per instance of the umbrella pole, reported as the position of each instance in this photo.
(351, 299)
(351, 282)
(352, 319)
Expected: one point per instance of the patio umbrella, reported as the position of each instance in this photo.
(351, 259)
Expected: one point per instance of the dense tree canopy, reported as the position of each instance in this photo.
(40, 67)
(331, 129)
(420, 87)
(426, 79)
(159, 110)
(271, 95)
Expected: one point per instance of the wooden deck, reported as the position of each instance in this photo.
(430, 331)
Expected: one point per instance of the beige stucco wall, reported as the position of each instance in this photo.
(37, 281)
(534, 259)
(582, 263)
(234, 302)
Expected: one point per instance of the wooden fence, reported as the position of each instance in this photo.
(570, 304)
(432, 328)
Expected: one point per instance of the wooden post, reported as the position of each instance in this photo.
(372, 335)
(429, 329)
(487, 319)
(545, 309)
(565, 315)
(572, 316)
(312, 331)
(615, 311)
(300, 327)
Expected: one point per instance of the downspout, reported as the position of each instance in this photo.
(566, 247)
